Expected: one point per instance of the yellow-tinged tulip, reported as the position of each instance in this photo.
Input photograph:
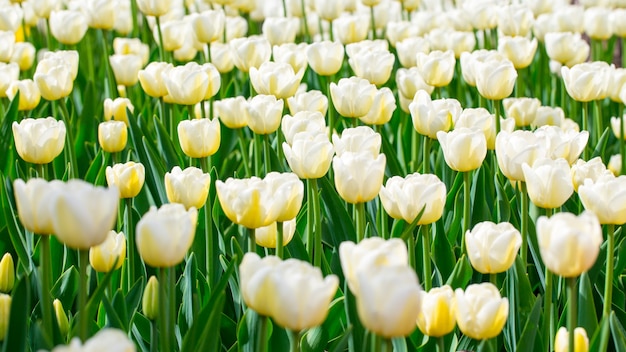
(382, 108)
(264, 113)
(597, 22)
(209, 25)
(410, 81)
(353, 97)
(150, 299)
(569, 244)
(42, 8)
(513, 149)
(616, 18)
(266, 236)
(222, 57)
(329, 9)
(151, 78)
(154, 7)
(520, 50)
(438, 314)
(189, 187)
(128, 178)
(236, 27)
(132, 46)
(562, 144)
(404, 198)
(495, 79)
(112, 136)
(109, 339)
(310, 154)
(464, 149)
(186, 85)
(408, 49)
(7, 273)
(491, 247)
(374, 66)
(351, 28)
(549, 116)
(292, 54)
(116, 109)
(570, 18)
(54, 79)
(304, 121)
(164, 235)
(481, 311)
(593, 169)
(7, 41)
(69, 56)
(68, 26)
(523, 110)
(388, 299)
(566, 48)
(481, 119)
(482, 14)
(356, 140)
(277, 79)
(39, 141)
(358, 176)
(110, 254)
(199, 138)
(581, 341)
(23, 55)
(398, 31)
(250, 52)
(247, 202)
(215, 80)
(5, 311)
(436, 67)
(468, 61)
(431, 116)
(615, 164)
(126, 68)
(100, 13)
(61, 317)
(280, 30)
(515, 20)
(33, 204)
(370, 250)
(8, 73)
(256, 282)
(606, 198)
(29, 94)
(587, 81)
(232, 112)
(287, 192)
(549, 182)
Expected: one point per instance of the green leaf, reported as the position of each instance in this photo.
(166, 145)
(340, 227)
(6, 133)
(461, 274)
(13, 227)
(341, 343)
(113, 314)
(587, 316)
(600, 340)
(314, 340)
(66, 287)
(618, 332)
(526, 341)
(188, 286)
(16, 335)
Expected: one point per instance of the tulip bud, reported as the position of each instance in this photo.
(31, 198)
(128, 178)
(266, 236)
(61, 317)
(562, 144)
(126, 68)
(604, 197)
(209, 25)
(410, 81)
(39, 141)
(292, 54)
(101, 13)
(199, 138)
(151, 78)
(310, 154)
(5, 311)
(7, 273)
(351, 28)
(23, 55)
(549, 182)
(154, 8)
(491, 247)
(581, 341)
(287, 192)
(68, 26)
(437, 67)
(186, 85)
(358, 176)
(8, 73)
(464, 149)
(150, 299)
(353, 97)
(596, 23)
(189, 187)
(116, 109)
(515, 20)
(481, 311)
(265, 113)
(110, 254)
(495, 79)
(250, 52)
(516, 148)
(53, 77)
(468, 61)
(408, 49)
(438, 314)
(374, 66)
(427, 192)
(431, 116)
(29, 94)
(593, 169)
(112, 136)
(566, 48)
(232, 112)
(520, 50)
(248, 202)
(280, 30)
(523, 110)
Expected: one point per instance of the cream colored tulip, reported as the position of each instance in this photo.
(276, 79)
(562, 144)
(7, 42)
(233, 112)
(125, 68)
(353, 97)
(358, 176)
(481, 311)
(358, 140)
(481, 119)
(8, 73)
(257, 282)
(606, 198)
(33, 200)
(375, 66)
(437, 317)
(164, 235)
(39, 141)
(100, 13)
(519, 50)
(586, 81)
(404, 198)
(186, 85)
(618, 25)
(7, 273)
(310, 154)
(189, 187)
(304, 121)
(128, 178)
(515, 20)
(69, 56)
(468, 60)
(23, 55)
(482, 14)
(495, 79)
(513, 149)
(328, 9)
(250, 52)
(593, 169)
(597, 24)
(209, 25)
(549, 182)
(116, 109)
(266, 236)
(492, 248)
(615, 164)
(151, 78)
(569, 244)
(570, 18)
(436, 67)
(431, 116)
(112, 136)
(248, 202)
(312, 100)
(292, 54)
(398, 31)
(264, 113)
(561, 340)
(523, 110)
(382, 108)
(154, 7)
(221, 57)
(287, 192)
(280, 30)
(548, 116)
(464, 149)
(68, 26)
(407, 50)
(53, 77)
(110, 254)
(567, 48)
(410, 81)
(199, 138)
(351, 28)
(29, 94)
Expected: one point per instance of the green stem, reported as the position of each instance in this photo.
(294, 341)
(161, 49)
(205, 163)
(50, 39)
(331, 108)
(598, 121)
(69, 140)
(410, 243)
(191, 113)
(493, 278)
(46, 299)
(520, 88)
(153, 337)
(132, 273)
(244, 153)
(553, 90)
(547, 311)
(266, 153)
(262, 341)
(622, 145)
(171, 318)
(284, 8)
(90, 68)
(307, 35)
(524, 220)
(310, 233)
(388, 345)
(258, 158)
(330, 30)
(564, 102)
(133, 10)
(426, 155)
(163, 311)
(584, 123)
(441, 347)
(317, 224)
(112, 85)
(610, 259)
(426, 257)
(279, 240)
(572, 319)
(496, 104)
(373, 23)
(360, 221)
(83, 258)
(252, 240)
(466, 207)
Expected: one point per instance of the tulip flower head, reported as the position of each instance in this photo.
(39, 141)
(353, 97)
(464, 149)
(549, 182)
(128, 178)
(110, 254)
(112, 136)
(492, 248)
(481, 311)
(404, 198)
(438, 314)
(561, 340)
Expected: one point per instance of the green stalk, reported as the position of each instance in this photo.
(553, 90)
(205, 163)
(441, 347)
(46, 299)
(330, 30)
(373, 23)
(622, 145)
(426, 257)
(244, 153)
(258, 158)
(161, 49)
(497, 106)
(426, 155)
(520, 87)
(524, 227)
(191, 113)
(132, 273)
(261, 340)
(564, 102)
(69, 140)
(133, 10)
(410, 243)
(572, 321)
(294, 341)
(284, 9)
(585, 116)
(279, 240)
(331, 108)
(83, 259)
(547, 310)
(153, 337)
(466, 207)
(360, 221)
(598, 121)
(493, 278)
(317, 224)
(163, 311)
(610, 260)
(171, 318)
(309, 222)
(266, 153)
(89, 53)
(112, 85)
(252, 240)
(50, 38)
(305, 21)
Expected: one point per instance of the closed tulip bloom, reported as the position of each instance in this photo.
(53, 77)
(199, 138)
(431, 116)
(304, 121)
(128, 178)
(276, 79)
(186, 85)
(287, 192)
(382, 108)
(109, 338)
(481, 311)
(8, 73)
(399, 31)
(312, 100)
(581, 341)
(29, 94)
(617, 80)
(516, 148)
(209, 25)
(586, 81)
(266, 236)
(569, 244)
(125, 68)
(438, 314)
(250, 52)
(481, 119)
(616, 127)
(33, 204)
(388, 299)
(310, 154)
(410, 81)
(358, 140)
(83, 214)
(408, 49)
(123, 20)
(353, 97)
(328, 9)
(7, 273)
(154, 7)
(468, 60)
(150, 299)
(7, 42)
(351, 28)
(233, 112)
(100, 13)
(523, 110)
(292, 54)
(189, 187)
(5, 311)
(515, 20)
(110, 254)
(618, 25)
(548, 116)
(436, 67)
(69, 56)
(492, 248)
(221, 57)
(23, 55)
(358, 176)
(593, 169)
(68, 26)
(112, 136)
(375, 66)
(606, 198)
(264, 114)
(596, 23)
(567, 48)
(42, 8)
(464, 149)
(116, 109)
(61, 317)
(615, 164)
(519, 50)
(495, 79)
(280, 30)
(151, 78)
(39, 141)
(404, 198)
(549, 182)
(248, 202)
(257, 282)
(164, 235)
(562, 144)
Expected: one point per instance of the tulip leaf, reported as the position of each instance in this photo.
(393, 164)
(94, 301)
(528, 340)
(141, 330)
(97, 168)
(314, 340)
(587, 316)
(65, 288)
(461, 274)
(341, 228)
(6, 133)
(113, 314)
(188, 287)
(16, 334)
(443, 256)
(600, 149)
(503, 212)
(166, 145)
(600, 340)
(13, 226)
(341, 343)
(618, 333)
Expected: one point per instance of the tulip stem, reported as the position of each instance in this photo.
(426, 155)
(284, 9)
(584, 122)
(331, 108)
(466, 207)
(524, 220)
(261, 339)
(426, 256)
(205, 163)
(83, 261)
(598, 121)
(622, 145)
(360, 221)
(547, 310)
(153, 337)
(257, 154)
(163, 311)
(266, 153)
(441, 347)
(244, 153)
(610, 258)
(191, 114)
(161, 49)
(46, 303)
(69, 140)
(317, 224)
(373, 23)
(497, 107)
(573, 310)
(131, 242)
(294, 341)
(252, 240)
(307, 35)
(279, 240)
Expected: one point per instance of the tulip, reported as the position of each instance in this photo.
(23, 55)
(408, 49)
(351, 28)
(83, 214)
(150, 299)
(215, 80)
(549, 182)
(126, 68)
(431, 116)
(53, 77)
(388, 299)
(358, 176)
(567, 48)
(8, 73)
(69, 56)
(492, 248)
(310, 154)
(427, 192)
(110, 254)
(595, 22)
(257, 282)
(461, 42)
(292, 54)
(287, 191)
(515, 20)
(29, 94)
(523, 110)
(605, 198)
(382, 108)
(276, 79)
(116, 109)
(464, 149)
(186, 85)
(593, 169)
(250, 52)
(280, 30)
(7, 273)
(128, 178)
(375, 66)
(562, 144)
(112, 136)
(569, 244)
(265, 113)
(32, 199)
(266, 236)
(248, 202)
(481, 311)
(410, 81)
(548, 116)
(123, 21)
(209, 25)
(399, 31)
(189, 187)
(154, 8)
(109, 338)
(6, 45)
(468, 60)
(353, 97)
(482, 15)
(61, 317)
(357, 140)
(495, 79)
(5, 311)
(519, 50)
(233, 112)
(581, 341)
(328, 9)
(438, 314)
(615, 164)
(222, 57)
(437, 67)
(570, 18)
(312, 100)
(199, 138)
(100, 13)
(586, 81)
(68, 26)
(164, 235)
(151, 78)
(515, 149)
(305, 121)
(39, 141)
(481, 119)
